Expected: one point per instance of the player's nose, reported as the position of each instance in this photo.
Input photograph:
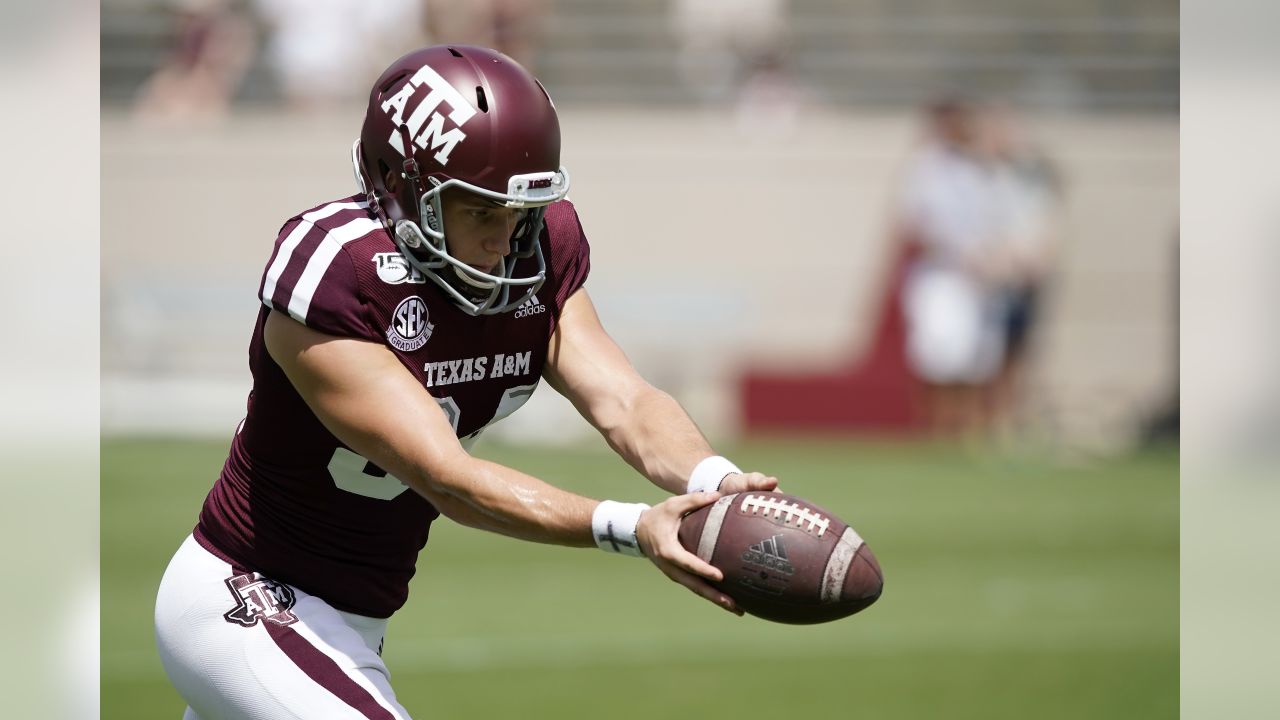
(499, 241)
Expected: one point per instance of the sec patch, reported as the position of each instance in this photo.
(410, 328)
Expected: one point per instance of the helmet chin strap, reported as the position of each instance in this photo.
(477, 284)
(492, 298)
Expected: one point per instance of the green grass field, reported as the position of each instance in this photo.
(1013, 589)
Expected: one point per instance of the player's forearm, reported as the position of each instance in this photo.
(492, 497)
(655, 435)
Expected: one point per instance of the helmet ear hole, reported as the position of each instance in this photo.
(390, 81)
(526, 234)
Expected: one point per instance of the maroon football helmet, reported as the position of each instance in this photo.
(466, 117)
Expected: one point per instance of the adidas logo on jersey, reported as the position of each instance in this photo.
(769, 553)
(531, 307)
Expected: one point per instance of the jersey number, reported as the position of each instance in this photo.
(354, 474)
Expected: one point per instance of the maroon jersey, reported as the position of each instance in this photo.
(292, 501)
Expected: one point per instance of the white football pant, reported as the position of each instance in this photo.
(238, 646)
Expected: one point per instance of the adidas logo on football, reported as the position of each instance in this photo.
(769, 553)
(530, 307)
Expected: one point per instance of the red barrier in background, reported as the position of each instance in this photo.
(874, 393)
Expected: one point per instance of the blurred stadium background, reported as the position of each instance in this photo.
(740, 230)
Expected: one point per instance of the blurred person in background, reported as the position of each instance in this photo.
(980, 211)
(323, 52)
(949, 219)
(216, 42)
(1028, 197)
(723, 43)
(512, 27)
(769, 104)
(396, 325)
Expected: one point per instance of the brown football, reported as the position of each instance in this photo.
(784, 559)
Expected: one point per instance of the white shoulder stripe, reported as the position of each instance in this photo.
(321, 259)
(291, 243)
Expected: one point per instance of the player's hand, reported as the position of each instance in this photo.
(657, 533)
(748, 482)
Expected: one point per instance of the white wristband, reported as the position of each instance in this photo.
(613, 525)
(709, 473)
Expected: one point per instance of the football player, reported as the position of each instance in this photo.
(396, 325)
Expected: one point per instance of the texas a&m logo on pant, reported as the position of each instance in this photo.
(259, 598)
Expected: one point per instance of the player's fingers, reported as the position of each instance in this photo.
(683, 504)
(686, 561)
(748, 482)
(700, 587)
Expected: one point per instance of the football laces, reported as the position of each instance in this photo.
(779, 509)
